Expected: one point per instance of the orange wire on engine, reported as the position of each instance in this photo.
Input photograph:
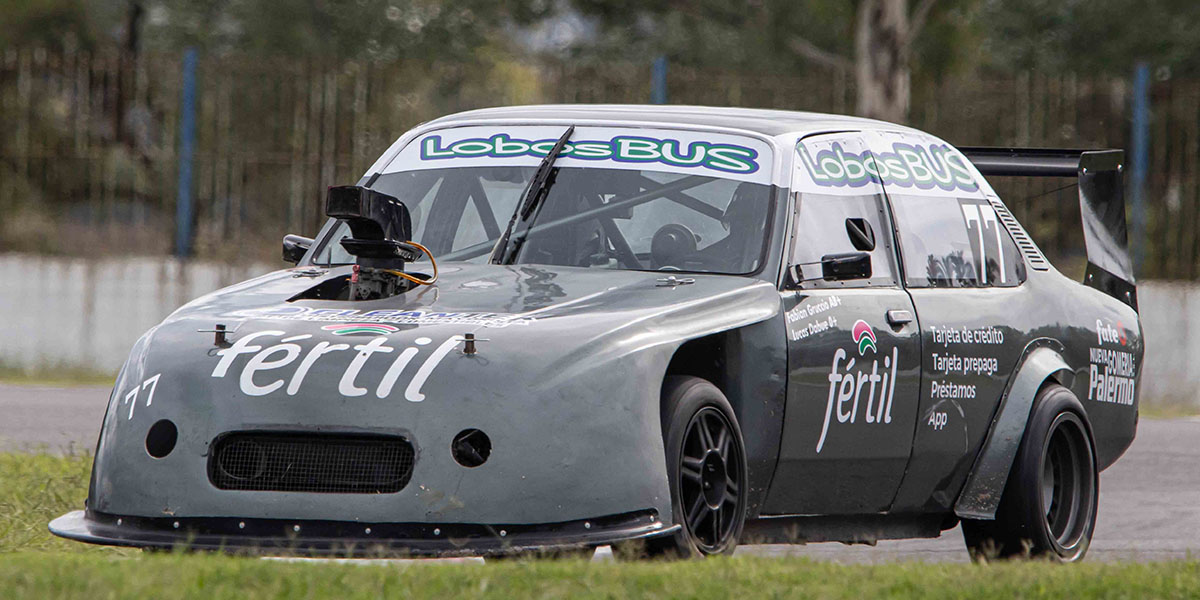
(418, 280)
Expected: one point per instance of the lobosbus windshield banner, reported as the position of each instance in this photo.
(666, 150)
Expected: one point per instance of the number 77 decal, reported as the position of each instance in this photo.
(131, 397)
(983, 215)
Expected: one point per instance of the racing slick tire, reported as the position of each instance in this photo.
(1049, 504)
(706, 465)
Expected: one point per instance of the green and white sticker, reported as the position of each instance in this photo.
(700, 153)
(902, 163)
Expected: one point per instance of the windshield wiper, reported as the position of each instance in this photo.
(539, 188)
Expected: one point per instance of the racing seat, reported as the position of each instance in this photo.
(568, 245)
(745, 220)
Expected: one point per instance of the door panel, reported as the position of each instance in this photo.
(851, 402)
(965, 277)
(854, 377)
(968, 359)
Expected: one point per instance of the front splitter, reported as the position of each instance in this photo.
(353, 539)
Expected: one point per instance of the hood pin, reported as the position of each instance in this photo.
(673, 281)
(218, 332)
(469, 340)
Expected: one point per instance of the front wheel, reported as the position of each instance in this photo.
(706, 466)
(1049, 503)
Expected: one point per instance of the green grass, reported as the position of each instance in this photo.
(54, 376)
(216, 577)
(34, 564)
(35, 488)
(1167, 410)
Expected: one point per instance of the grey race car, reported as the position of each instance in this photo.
(669, 328)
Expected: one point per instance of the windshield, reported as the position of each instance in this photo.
(605, 215)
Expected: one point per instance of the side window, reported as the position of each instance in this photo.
(955, 242)
(832, 224)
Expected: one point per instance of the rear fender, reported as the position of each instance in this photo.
(1041, 361)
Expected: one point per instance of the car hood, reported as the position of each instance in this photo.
(557, 312)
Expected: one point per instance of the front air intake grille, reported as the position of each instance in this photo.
(311, 462)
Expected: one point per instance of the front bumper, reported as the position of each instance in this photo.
(352, 539)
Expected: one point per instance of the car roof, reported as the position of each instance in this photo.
(763, 121)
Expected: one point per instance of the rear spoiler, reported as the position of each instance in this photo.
(1101, 205)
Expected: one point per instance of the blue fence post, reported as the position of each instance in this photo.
(1139, 161)
(658, 80)
(187, 143)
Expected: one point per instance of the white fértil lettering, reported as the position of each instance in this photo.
(259, 362)
(240, 346)
(846, 386)
(262, 360)
(346, 386)
(310, 359)
(393, 372)
(413, 392)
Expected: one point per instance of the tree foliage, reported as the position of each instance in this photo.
(378, 29)
(56, 24)
(763, 35)
(1090, 36)
(766, 35)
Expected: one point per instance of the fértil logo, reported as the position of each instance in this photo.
(361, 328)
(864, 336)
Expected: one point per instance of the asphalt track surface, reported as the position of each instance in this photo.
(1149, 500)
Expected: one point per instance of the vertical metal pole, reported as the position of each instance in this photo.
(187, 142)
(658, 80)
(1139, 163)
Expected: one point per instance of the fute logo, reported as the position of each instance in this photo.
(1107, 333)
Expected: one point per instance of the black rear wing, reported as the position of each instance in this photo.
(1101, 204)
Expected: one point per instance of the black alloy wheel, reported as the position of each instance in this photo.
(1068, 494)
(1049, 504)
(706, 472)
(709, 475)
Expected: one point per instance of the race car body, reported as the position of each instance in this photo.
(679, 327)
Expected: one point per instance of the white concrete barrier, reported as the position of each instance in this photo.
(86, 314)
(1170, 314)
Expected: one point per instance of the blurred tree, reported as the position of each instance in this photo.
(57, 24)
(874, 39)
(345, 29)
(1091, 36)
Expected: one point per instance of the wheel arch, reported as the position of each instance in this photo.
(749, 365)
(1042, 363)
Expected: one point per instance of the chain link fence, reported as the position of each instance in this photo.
(89, 141)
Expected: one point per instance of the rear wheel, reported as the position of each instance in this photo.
(1050, 501)
(706, 466)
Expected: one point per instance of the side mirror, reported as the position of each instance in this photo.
(295, 247)
(841, 267)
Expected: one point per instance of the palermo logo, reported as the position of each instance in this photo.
(361, 328)
(864, 337)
